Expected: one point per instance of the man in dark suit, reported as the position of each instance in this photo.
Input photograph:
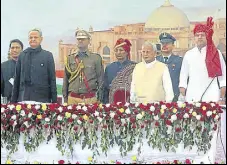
(174, 62)
(35, 78)
(8, 68)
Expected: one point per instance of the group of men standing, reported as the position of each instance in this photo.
(199, 76)
(29, 75)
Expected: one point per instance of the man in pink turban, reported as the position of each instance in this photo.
(122, 53)
(205, 68)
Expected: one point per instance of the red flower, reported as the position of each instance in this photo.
(178, 129)
(61, 162)
(168, 122)
(134, 126)
(77, 162)
(26, 111)
(27, 119)
(158, 163)
(34, 111)
(132, 119)
(156, 123)
(91, 121)
(37, 120)
(162, 116)
(46, 125)
(51, 126)
(44, 116)
(142, 126)
(129, 115)
(179, 116)
(118, 122)
(116, 117)
(75, 128)
(11, 122)
(22, 129)
(8, 116)
(124, 116)
(213, 116)
(107, 118)
(187, 161)
(202, 118)
(70, 120)
(168, 105)
(187, 110)
(118, 162)
(203, 112)
(52, 107)
(190, 116)
(156, 112)
(161, 102)
(23, 106)
(136, 111)
(175, 161)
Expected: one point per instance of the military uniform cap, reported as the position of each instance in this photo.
(82, 34)
(166, 38)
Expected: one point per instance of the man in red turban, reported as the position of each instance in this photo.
(122, 53)
(205, 68)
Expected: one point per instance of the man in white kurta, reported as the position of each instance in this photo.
(203, 71)
(151, 79)
(203, 74)
(194, 68)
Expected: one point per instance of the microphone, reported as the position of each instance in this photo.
(207, 88)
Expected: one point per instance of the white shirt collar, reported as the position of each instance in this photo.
(149, 65)
(202, 50)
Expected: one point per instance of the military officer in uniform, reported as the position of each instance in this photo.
(174, 62)
(84, 73)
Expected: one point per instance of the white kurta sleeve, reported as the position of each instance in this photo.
(184, 73)
(133, 96)
(222, 79)
(167, 84)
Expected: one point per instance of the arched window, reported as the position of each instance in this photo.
(106, 50)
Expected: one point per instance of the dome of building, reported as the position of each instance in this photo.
(167, 17)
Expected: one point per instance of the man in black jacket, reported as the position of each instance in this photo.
(8, 68)
(35, 78)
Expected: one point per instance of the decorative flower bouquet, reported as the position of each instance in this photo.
(100, 127)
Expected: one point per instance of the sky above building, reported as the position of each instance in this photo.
(57, 18)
